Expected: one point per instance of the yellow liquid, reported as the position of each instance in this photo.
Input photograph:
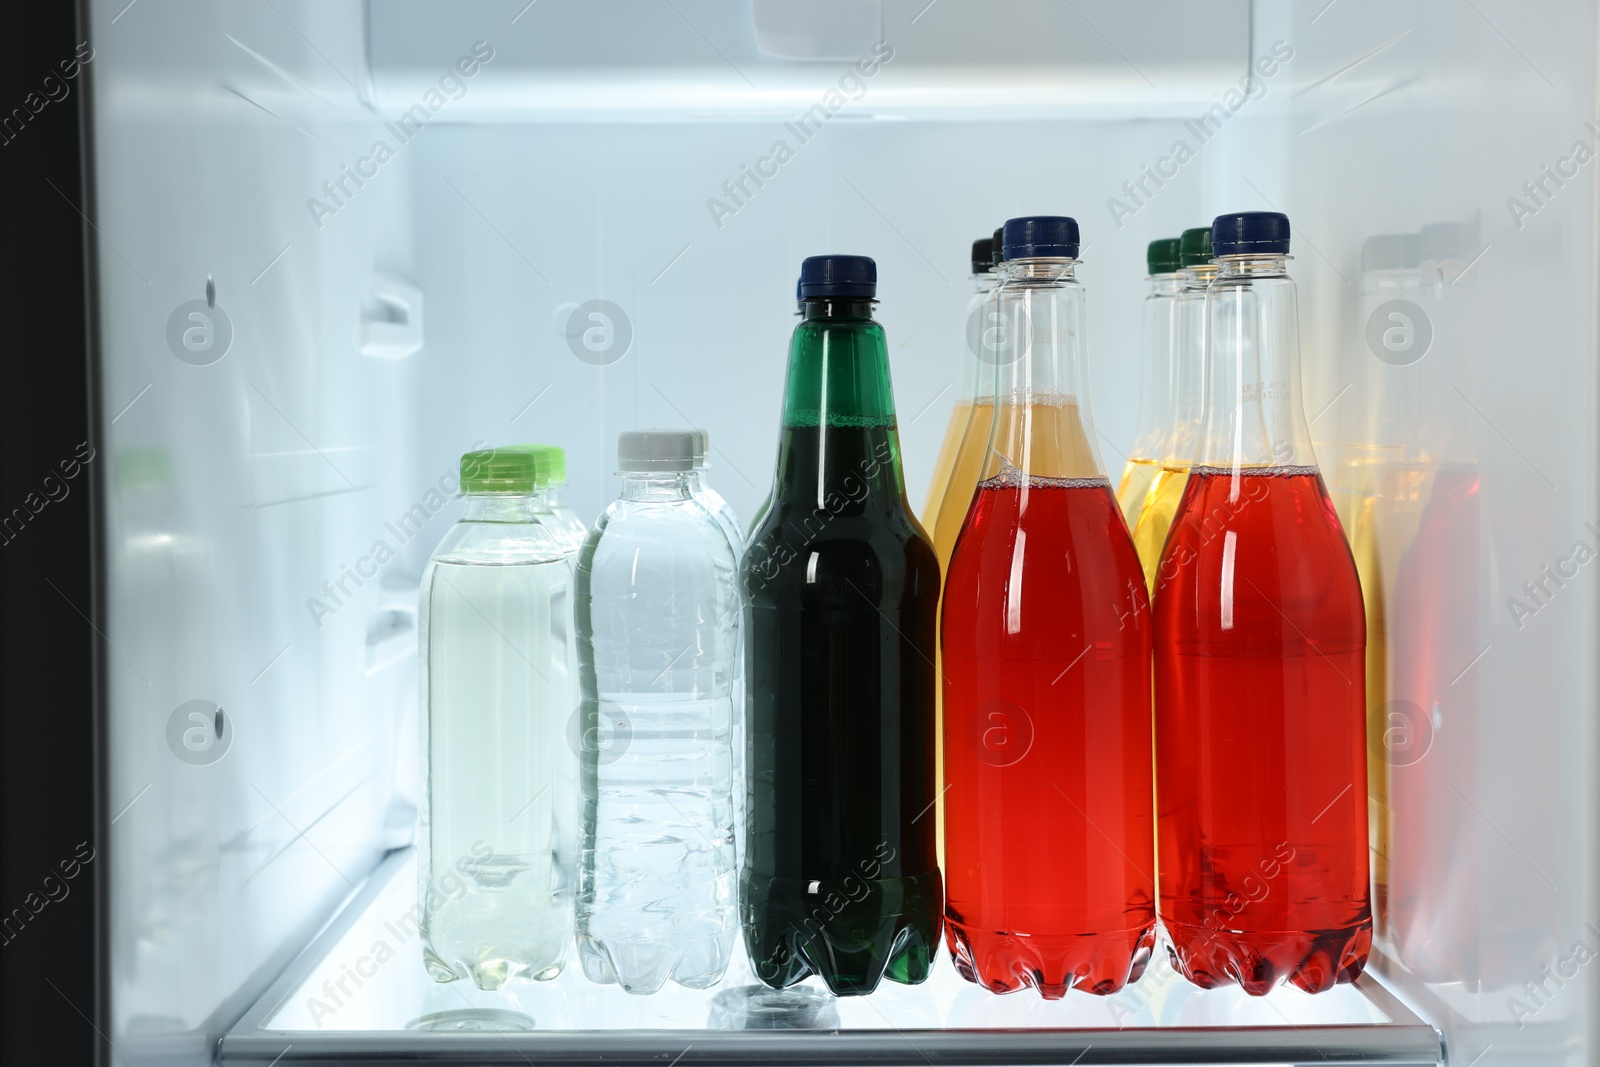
(1155, 519)
(943, 462)
(1135, 486)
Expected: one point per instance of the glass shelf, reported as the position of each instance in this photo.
(359, 994)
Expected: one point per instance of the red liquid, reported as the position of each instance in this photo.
(1260, 733)
(1047, 743)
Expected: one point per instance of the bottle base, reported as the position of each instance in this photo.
(891, 931)
(643, 967)
(1259, 960)
(1051, 964)
(488, 974)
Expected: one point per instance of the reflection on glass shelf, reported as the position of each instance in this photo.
(372, 979)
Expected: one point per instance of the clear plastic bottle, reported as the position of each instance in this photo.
(1260, 664)
(658, 631)
(1157, 340)
(498, 816)
(1187, 389)
(712, 500)
(553, 485)
(1046, 667)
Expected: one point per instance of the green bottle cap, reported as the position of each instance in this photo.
(499, 470)
(1162, 256)
(552, 463)
(1194, 247)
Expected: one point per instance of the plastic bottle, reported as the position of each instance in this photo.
(555, 488)
(1188, 394)
(551, 461)
(658, 633)
(498, 819)
(1157, 342)
(955, 474)
(841, 590)
(700, 489)
(1260, 664)
(1046, 634)
(982, 282)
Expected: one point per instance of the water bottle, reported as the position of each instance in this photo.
(498, 813)
(712, 500)
(554, 487)
(658, 631)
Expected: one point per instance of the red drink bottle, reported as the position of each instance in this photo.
(1260, 664)
(1045, 632)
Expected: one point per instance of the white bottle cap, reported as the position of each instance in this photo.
(655, 450)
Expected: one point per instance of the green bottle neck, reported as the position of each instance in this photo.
(840, 449)
(838, 368)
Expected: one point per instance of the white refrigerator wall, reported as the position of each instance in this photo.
(269, 509)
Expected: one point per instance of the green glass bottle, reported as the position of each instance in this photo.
(840, 874)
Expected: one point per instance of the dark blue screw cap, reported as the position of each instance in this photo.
(839, 276)
(997, 251)
(1250, 233)
(1040, 236)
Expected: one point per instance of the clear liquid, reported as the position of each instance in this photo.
(659, 632)
(661, 893)
(497, 818)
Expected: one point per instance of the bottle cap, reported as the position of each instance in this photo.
(1194, 247)
(1392, 251)
(1161, 256)
(982, 255)
(839, 276)
(702, 446)
(997, 254)
(499, 470)
(1041, 237)
(551, 463)
(655, 450)
(1250, 233)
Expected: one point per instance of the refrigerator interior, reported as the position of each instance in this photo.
(273, 487)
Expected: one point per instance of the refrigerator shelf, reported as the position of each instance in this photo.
(359, 994)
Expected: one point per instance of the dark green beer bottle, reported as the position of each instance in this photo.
(841, 876)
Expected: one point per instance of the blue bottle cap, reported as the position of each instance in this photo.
(997, 251)
(839, 276)
(1041, 236)
(1250, 233)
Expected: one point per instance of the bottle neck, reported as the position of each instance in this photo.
(977, 321)
(1253, 411)
(1158, 340)
(1040, 427)
(1184, 421)
(657, 486)
(501, 507)
(839, 448)
(551, 494)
